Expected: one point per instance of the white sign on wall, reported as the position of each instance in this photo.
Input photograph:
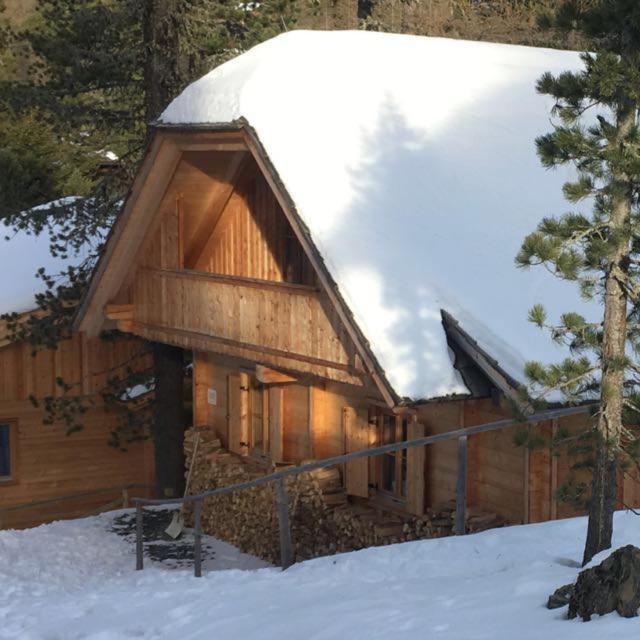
(212, 396)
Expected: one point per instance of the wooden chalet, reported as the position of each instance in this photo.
(46, 474)
(213, 253)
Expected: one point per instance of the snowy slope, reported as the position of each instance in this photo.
(21, 255)
(70, 581)
(412, 162)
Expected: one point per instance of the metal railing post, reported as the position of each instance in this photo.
(461, 488)
(284, 525)
(139, 538)
(197, 539)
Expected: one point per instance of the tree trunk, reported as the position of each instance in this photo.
(169, 420)
(165, 71)
(167, 66)
(609, 429)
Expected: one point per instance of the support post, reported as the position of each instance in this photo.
(125, 499)
(197, 539)
(461, 487)
(554, 472)
(286, 548)
(139, 540)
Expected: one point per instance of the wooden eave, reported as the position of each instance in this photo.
(158, 167)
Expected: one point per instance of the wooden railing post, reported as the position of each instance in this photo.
(197, 539)
(125, 498)
(284, 524)
(461, 487)
(139, 538)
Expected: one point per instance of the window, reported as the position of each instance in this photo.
(392, 467)
(259, 402)
(7, 451)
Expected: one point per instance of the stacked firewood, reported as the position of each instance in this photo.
(323, 521)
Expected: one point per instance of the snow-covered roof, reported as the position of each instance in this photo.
(21, 255)
(411, 160)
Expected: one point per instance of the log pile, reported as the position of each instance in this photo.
(323, 521)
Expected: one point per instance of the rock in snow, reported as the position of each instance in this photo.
(412, 162)
(613, 585)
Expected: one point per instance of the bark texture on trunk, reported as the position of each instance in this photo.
(165, 71)
(169, 420)
(603, 489)
(166, 65)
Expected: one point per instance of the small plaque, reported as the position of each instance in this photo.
(212, 396)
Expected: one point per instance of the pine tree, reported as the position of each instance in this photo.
(101, 71)
(598, 135)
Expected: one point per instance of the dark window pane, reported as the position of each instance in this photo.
(5, 450)
(389, 472)
(388, 429)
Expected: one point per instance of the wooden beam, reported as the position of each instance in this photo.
(119, 311)
(265, 375)
(126, 326)
(245, 389)
(145, 329)
(205, 140)
(140, 208)
(266, 285)
(276, 419)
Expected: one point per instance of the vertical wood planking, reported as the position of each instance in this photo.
(356, 438)
(461, 487)
(415, 470)
(276, 418)
(233, 413)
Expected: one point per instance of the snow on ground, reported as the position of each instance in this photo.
(412, 162)
(74, 581)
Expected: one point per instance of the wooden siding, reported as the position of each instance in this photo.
(303, 420)
(50, 463)
(288, 326)
(254, 239)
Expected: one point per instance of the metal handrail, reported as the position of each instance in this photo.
(286, 550)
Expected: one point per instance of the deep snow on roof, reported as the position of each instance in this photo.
(21, 255)
(412, 162)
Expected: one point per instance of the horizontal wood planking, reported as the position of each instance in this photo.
(285, 325)
(52, 464)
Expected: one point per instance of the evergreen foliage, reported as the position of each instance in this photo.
(596, 132)
(99, 72)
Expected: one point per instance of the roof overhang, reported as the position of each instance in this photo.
(160, 162)
(489, 366)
